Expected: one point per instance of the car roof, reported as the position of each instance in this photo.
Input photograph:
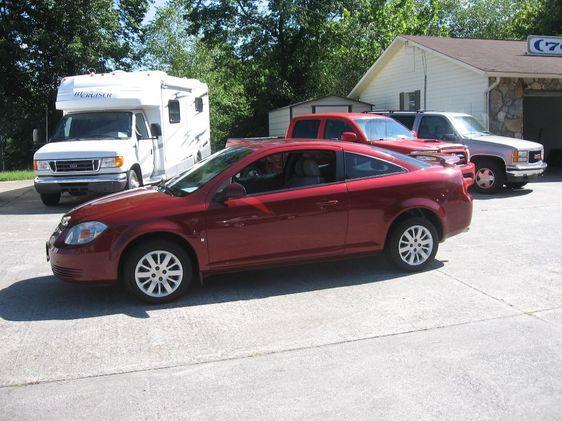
(339, 115)
(390, 113)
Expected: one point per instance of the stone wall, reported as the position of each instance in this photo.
(506, 103)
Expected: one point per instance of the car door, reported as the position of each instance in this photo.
(334, 128)
(285, 215)
(435, 127)
(372, 185)
(145, 146)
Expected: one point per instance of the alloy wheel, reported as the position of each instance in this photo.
(158, 273)
(415, 245)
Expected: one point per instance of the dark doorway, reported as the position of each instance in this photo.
(542, 122)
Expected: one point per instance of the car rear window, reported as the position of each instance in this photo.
(306, 129)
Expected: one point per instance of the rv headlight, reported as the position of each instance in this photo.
(41, 166)
(84, 233)
(112, 162)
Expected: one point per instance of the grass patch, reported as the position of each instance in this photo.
(17, 175)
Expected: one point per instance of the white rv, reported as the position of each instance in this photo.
(120, 131)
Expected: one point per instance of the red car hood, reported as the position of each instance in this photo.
(407, 146)
(129, 204)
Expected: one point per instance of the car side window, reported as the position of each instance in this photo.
(174, 111)
(140, 126)
(288, 170)
(434, 127)
(335, 128)
(361, 166)
(306, 129)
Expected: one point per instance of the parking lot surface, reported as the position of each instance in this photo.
(476, 336)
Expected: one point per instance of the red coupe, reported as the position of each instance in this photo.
(261, 204)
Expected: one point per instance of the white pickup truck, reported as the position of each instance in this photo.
(122, 130)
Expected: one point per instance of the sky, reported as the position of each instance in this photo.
(152, 9)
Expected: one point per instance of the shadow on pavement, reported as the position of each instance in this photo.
(26, 201)
(504, 193)
(46, 298)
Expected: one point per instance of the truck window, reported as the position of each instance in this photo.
(406, 120)
(334, 129)
(306, 129)
(434, 127)
(174, 111)
(140, 126)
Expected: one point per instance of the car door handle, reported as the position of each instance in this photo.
(327, 204)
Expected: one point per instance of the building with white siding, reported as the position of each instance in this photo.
(280, 118)
(512, 91)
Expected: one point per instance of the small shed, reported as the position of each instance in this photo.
(280, 118)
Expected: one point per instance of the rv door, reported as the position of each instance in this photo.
(145, 146)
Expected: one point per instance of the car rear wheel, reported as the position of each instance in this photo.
(50, 199)
(490, 177)
(413, 244)
(518, 185)
(157, 271)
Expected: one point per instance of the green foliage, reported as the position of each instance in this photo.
(16, 175)
(169, 47)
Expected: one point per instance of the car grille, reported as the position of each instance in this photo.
(535, 156)
(66, 273)
(75, 165)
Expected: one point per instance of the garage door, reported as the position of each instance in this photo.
(542, 122)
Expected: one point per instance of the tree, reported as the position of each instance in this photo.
(42, 41)
(169, 47)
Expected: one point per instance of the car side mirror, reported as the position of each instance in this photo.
(449, 137)
(37, 138)
(155, 130)
(348, 137)
(232, 191)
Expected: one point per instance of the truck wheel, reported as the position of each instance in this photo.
(413, 244)
(518, 185)
(133, 180)
(157, 271)
(50, 199)
(490, 177)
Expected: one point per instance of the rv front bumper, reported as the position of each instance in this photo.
(102, 183)
(517, 173)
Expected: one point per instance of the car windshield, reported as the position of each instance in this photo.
(204, 171)
(468, 125)
(95, 125)
(383, 129)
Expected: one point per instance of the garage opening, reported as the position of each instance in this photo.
(542, 122)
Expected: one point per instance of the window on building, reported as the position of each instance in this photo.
(174, 111)
(410, 101)
(306, 129)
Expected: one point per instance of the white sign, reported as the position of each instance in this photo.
(544, 46)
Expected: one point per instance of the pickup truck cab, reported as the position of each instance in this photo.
(499, 160)
(376, 130)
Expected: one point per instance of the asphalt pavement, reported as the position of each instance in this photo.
(476, 336)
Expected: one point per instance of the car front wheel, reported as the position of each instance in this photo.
(413, 244)
(157, 271)
(50, 199)
(490, 177)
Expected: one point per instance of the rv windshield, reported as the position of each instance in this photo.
(94, 125)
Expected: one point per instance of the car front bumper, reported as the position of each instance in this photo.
(100, 183)
(518, 173)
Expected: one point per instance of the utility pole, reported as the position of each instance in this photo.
(46, 123)
(2, 152)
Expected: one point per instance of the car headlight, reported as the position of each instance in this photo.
(112, 162)
(84, 233)
(41, 165)
(520, 156)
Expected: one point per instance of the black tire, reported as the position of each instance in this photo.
(134, 179)
(393, 246)
(518, 185)
(487, 168)
(138, 254)
(50, 199)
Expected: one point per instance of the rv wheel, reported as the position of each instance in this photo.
(133, 180)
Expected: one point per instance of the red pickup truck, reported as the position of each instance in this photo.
(376, 130)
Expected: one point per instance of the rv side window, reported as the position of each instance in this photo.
(199, 104)
(140, 126)
(174, 110)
